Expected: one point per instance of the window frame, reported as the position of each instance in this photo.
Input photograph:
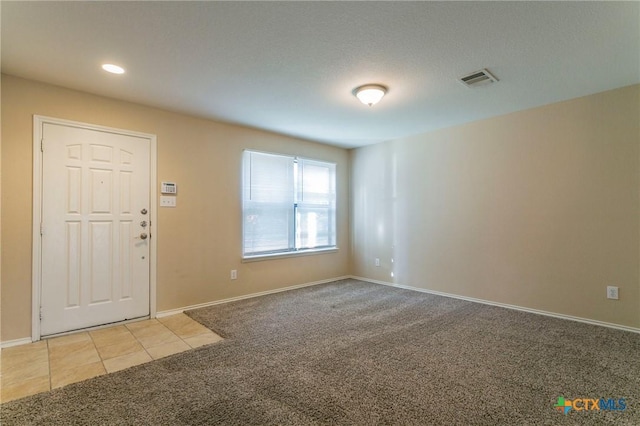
(297, 203)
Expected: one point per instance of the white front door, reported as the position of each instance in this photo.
(95, 227)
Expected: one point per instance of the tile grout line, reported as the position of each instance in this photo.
(146, 349)
(51, 363)
(175, 333)
(178, 336)
(140, 343)
(49, 366)
(208, 331)
(98, 352)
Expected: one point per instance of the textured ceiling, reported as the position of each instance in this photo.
(290, 67)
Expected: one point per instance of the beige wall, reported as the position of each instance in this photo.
(199, 242)
(538, 208)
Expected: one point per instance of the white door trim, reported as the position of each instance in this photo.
(36, 270)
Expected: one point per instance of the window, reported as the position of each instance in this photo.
(288, 204)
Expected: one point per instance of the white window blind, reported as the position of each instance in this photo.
(289, 204)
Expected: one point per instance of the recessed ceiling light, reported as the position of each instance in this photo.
(370, 94)
(114, 69)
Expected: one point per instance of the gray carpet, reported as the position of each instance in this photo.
(357, 353)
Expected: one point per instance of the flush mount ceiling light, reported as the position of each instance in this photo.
(113, 69)
(370, 94)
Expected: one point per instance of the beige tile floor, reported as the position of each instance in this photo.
(52, 363)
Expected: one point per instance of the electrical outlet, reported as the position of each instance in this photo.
(234, 274)
(377, 262)
(612, 292)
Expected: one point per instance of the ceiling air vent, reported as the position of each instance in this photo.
(478, 78)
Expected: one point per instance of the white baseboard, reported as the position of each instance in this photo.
(16, 342)
(162, 314)
(504, 305)
(169, 312)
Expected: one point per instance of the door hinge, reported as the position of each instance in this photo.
(40, 313)
(42, 145)
(41, 229)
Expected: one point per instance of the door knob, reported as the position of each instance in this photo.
(143, 236)
(143, 211)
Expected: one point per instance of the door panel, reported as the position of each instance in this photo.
(95, 188)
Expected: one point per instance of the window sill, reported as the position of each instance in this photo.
(311, 252)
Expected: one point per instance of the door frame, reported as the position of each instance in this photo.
(36, 290)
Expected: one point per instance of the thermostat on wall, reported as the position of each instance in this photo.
(169, 188)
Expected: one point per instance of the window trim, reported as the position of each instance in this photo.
(296, 251)
(286, 254)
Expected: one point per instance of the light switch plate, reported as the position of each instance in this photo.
(167, 201)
